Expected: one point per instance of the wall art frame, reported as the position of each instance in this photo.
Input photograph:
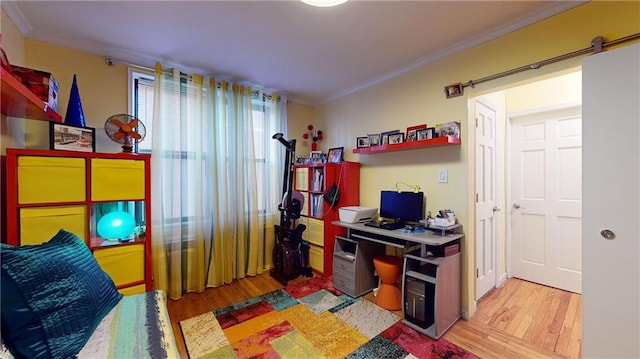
(67, 137)
(335, 155)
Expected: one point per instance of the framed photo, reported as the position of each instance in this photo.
(374, 139)
(426, 134)
(362, 142)
(335, 154)
(431, 132)
(453, 90)
(412, 132)
(385, 136)
(396, 138)
(448, 129)
(71, 138)
(316, 157)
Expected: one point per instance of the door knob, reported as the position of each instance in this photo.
(516, 205)
(607, 234)
(496, 209)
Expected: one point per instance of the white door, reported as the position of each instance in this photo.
(546, 198)
(486, 232)
(611, 314)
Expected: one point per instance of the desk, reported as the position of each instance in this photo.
(396, 238)
(430, 275)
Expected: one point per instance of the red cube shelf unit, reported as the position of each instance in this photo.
(51, 190)
(313, 181)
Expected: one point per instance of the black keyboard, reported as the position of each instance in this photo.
(385, 225)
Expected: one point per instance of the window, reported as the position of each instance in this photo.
(141, 106)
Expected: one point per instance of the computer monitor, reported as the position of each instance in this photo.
(403, 206)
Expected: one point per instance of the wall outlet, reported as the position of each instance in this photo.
(443, 176)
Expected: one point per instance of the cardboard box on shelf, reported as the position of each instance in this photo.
(41, 83)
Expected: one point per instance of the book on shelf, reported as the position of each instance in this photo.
(317, 209)
(318, 180)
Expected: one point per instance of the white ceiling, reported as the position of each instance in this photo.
(311, 54)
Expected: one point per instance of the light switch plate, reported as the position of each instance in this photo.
(443, 176)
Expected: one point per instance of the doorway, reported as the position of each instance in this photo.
(546, 198)
(561, 91)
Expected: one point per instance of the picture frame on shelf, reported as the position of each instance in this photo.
(412, 132)
(362, 142)
(451, 129)
(396, 138)
(384, 136)
(335, 155)
(374, 139)
(67, 137)
(317, 157)
(426, 133)
(421, 134)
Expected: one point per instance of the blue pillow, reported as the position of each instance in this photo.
(54, 295)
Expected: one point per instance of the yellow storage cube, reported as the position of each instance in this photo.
(51, 179)
(304, 221)
(124, 263)
(316, 258)
(315, 232)
(116, 179)
(136, 289)
(305, 206)
(302, 179)
(39, 224)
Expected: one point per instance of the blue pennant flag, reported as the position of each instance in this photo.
(75, 115)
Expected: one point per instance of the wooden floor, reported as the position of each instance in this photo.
(523, 320)
(518, 320)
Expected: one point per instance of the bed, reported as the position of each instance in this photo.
(56, 302)
(118, 334)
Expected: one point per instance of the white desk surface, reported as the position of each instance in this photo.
(427, 237)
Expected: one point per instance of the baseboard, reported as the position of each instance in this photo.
(501, 279)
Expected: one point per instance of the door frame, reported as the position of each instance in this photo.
(510, 117)
(504, 244)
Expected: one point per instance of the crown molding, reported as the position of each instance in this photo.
(17, 17)
(508, 27)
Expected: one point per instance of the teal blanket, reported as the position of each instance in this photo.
(138, 327)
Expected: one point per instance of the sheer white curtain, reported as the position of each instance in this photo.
(215, 181)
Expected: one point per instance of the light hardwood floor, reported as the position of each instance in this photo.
(518, 320)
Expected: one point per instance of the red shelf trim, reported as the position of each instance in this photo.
(434, 142)
(19, 101)
(95, 243)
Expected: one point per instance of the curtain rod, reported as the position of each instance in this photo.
(110, 61)
(597, 45)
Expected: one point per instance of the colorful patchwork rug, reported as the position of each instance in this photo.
(310, 319)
